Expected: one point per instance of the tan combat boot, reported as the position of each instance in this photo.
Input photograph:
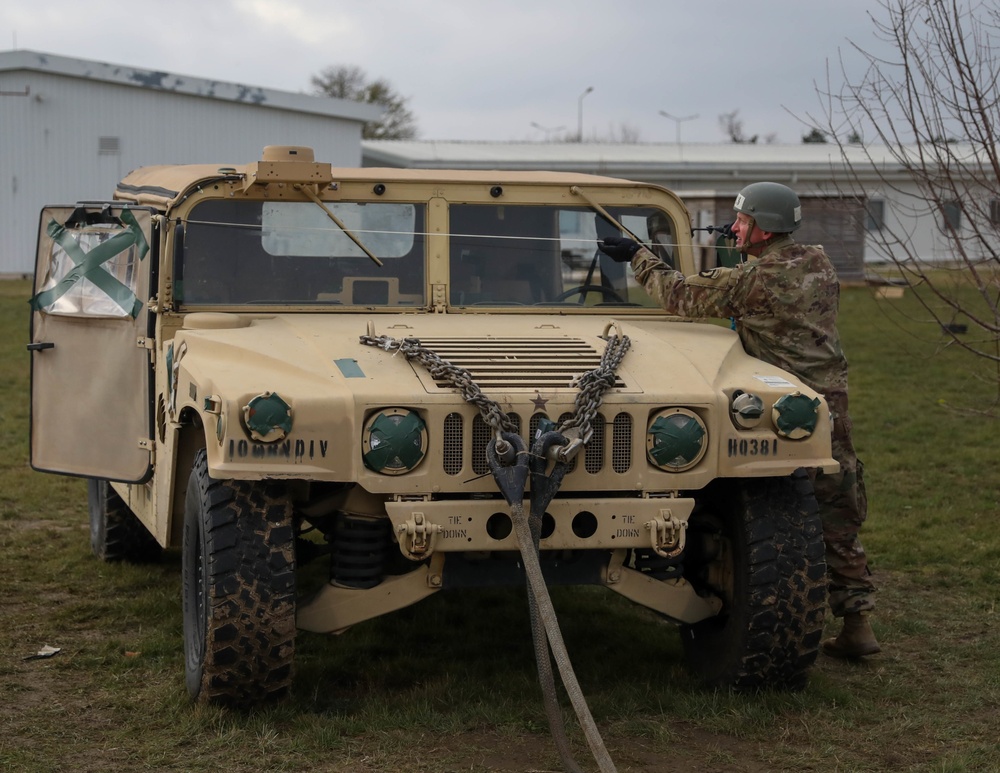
(855, 640)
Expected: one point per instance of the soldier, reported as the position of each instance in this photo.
(783, 298)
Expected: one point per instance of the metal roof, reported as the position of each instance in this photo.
(34, 61)
(686, 161)
(430, 153)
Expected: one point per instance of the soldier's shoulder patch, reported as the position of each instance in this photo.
(712, 277)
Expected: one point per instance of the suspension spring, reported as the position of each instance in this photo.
(360, 546)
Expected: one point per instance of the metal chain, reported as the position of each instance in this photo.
(458, 377)
(592, 384)
(545, 627)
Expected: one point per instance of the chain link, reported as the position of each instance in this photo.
(458, 377)
(592, 384)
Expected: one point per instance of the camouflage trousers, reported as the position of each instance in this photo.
(843, 507)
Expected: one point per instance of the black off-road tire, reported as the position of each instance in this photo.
(238, 571)
(769, 630)
(115, 533)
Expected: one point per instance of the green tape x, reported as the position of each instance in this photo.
(87, 265)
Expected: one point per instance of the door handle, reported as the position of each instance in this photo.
(41, 346)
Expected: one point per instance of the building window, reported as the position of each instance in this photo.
(875, 220)
(951, 215)
(108, 146)
(995, 211)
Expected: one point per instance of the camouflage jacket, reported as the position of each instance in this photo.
(784, 305)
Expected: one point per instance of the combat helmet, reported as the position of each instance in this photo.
(773, 206)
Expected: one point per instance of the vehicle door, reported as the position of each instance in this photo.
(91, 376)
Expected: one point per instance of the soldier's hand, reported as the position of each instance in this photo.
(618, 248)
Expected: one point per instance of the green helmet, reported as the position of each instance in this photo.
(773, 206)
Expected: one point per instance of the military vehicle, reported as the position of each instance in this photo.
(280, 363)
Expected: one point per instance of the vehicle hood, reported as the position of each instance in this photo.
(523, 354)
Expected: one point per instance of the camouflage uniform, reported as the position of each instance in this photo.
(784, 305)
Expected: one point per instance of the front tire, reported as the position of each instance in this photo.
(238, 571)
(115, 533)
(758, 544)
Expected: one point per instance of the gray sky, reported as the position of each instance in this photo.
(489, 69)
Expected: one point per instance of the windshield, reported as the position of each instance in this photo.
(546, 255)
(292, 253)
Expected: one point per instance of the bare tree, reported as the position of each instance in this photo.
(933, 111)
(732, 126)
(815, 136)
(344, 82)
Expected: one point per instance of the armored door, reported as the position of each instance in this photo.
(90, 366)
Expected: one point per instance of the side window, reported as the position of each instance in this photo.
(951, 216)
(875, 220)
(91, 263)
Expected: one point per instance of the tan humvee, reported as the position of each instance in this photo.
(235, 356)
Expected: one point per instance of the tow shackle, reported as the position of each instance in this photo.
(509, 471)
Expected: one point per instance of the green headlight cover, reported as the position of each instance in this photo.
(393, 439)
(796, 415)
(267, 414)
(676, 440)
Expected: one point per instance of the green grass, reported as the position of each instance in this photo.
(450, 684)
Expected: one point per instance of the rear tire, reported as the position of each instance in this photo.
(238, 571)
(758, 544)
(115, 533)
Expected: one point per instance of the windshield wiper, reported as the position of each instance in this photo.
(604, 213)
(319, 203)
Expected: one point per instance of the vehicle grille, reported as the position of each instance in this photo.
(608, 445)
(511, 363)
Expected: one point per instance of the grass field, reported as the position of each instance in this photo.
(450, 684)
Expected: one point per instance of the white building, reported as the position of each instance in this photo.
(70, 129)
(708, 177)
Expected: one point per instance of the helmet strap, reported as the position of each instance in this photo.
(745, 248)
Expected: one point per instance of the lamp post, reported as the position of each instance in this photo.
(579, 118)
(546, 129)
(678, 121)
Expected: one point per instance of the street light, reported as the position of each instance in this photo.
(547, 130)
(579, 119)
(678, 121)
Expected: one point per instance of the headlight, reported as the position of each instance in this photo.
(268, 418)
(795, 415)
(746, 409)
(676, 439)
(395, 440)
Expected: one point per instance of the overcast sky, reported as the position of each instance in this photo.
(490, 69)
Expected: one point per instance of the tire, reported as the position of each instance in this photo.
(759, 545)
(238, 573)
(115, 533)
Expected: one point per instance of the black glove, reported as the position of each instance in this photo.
(726, 230)
(618, 248)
